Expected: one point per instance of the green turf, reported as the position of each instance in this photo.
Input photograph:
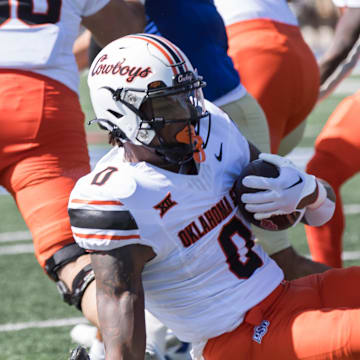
(317, 119)
(11, 219)
(85, 101)
(28, 295)
(25, 302)
(40, 344)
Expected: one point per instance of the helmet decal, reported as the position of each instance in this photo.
(121, 68)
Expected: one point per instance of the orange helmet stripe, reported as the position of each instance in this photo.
(170, 52)
(108, 237)
(96, 202)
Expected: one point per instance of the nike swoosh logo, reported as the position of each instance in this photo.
(219, 156)
(298, 182)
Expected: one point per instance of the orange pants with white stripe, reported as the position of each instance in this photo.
(313, 318)
(280, 71)
(43, 152)
(336, 159)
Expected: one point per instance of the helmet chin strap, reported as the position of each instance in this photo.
(175, 154)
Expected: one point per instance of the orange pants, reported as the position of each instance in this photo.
(313, 318)
(278, 68)
(43, 152)
(336, 159)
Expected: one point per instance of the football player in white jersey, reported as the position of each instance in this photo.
(43, 148)
(160, 221)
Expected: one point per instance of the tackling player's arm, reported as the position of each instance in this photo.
(120, 300)
(346, 34)
(116, 19)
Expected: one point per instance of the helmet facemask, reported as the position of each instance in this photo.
(181, 104)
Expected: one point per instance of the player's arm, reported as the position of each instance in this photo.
(343, 53)
(116, 19)
(346, 34)
(120, 300)
(81, 48)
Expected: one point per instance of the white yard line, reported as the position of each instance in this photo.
(351, 255)
(43, 324)
(17, 249)
(15, 236)
(352, 209)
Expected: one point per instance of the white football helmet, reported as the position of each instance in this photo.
(135, 69)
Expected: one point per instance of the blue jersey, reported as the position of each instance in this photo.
(197, 28)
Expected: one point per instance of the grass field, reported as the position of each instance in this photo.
(35, 323)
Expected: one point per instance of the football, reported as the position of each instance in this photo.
(274, 223)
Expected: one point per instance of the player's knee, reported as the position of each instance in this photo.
(73, 295)
(70, 268)
(272, 241)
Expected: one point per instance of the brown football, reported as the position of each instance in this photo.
(274, 223)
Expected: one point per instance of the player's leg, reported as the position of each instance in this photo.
(315, 317)
(42, 177)
(332, 330)
(256, 74)
(250, 120)
(291, 140)
(325, 242)
(282, 75)
(45, 152)
(336, 159)
(306, 83)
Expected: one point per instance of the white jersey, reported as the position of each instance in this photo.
(38, 35)
(207, 271)
(233, 11)
(347, 3)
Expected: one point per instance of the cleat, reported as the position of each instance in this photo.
(97, 350)
(79, 353)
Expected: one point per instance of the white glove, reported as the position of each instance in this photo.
(281, 195)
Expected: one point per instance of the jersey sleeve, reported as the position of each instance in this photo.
(102, 224)
(100, 220)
